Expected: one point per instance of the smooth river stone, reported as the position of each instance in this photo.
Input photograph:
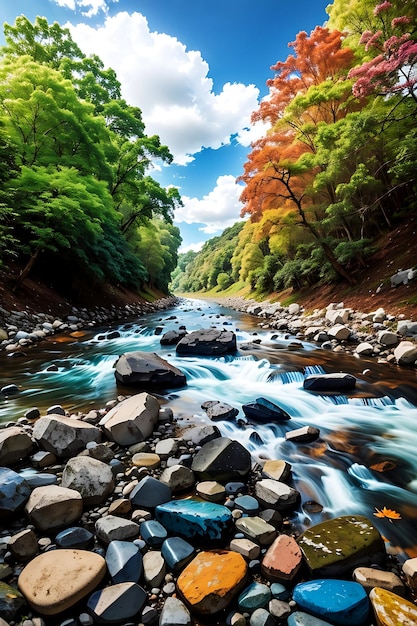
(341, 602)
(177, 553)
(124, 561)
(191, 519)
(392, 610)
(212, 579)
(338, 546)
(117, 603)
(298, 618)
(74, 537)
(54, 581)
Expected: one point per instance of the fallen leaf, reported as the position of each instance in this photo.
(388, 513)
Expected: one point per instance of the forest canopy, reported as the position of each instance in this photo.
(336, 168)
(76, 195)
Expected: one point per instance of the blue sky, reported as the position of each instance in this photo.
(197, 69)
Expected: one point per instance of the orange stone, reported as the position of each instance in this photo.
(392, 610)
(282, 560)
(211, 581)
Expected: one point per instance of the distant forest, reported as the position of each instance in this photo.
(336, 168)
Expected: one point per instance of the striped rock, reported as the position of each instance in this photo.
(54, 581)
(212, 579)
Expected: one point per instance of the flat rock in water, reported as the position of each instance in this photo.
(132, 420)
(391, 609)
(14, 493)
(222, 459)
(209, 342)
(338, 381)
(52, 585)
(199, 521)
(147, 370)
(212, 579)
(124, 561)
(341, 602)
(172, 337)
(336, 547)
(117, 603)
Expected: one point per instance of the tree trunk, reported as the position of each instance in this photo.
(25, 271)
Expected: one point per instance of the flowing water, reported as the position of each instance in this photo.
(364, 460)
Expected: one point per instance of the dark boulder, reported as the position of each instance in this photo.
(208, 342)
(147, 370)
(330, 382)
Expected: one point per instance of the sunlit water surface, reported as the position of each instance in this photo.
(364, 460)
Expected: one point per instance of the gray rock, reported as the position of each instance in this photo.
(64, 436)
(175, 613)
(276, 495)
(15, 444)
(113, 528)
(91, 478)
(208, 342)
(154, 568)
(117, 604)
(132, 420)
(147, 371)
(221, 459)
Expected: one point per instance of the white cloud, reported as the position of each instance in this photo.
(170, 84)
(195, 247)
(217, 210)
(93, 7)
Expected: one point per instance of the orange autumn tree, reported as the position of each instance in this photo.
(309, 90)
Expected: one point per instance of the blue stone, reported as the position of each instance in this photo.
(153, 533)
(35, 479)
(341, 602)
(255, 596)
(14, 493)
(149, 493)
(247, 504)
(195, 520)
(74, 537)
(124, 561)
(279, 592)
(117, 603)
(303, 619)
(177, 553)
(235, 487)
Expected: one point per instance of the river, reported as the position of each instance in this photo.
(364, 460)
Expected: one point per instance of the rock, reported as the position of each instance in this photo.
(91, 478)
(154, 568)
(112, 528)
(147, 370)
(276, 495)
(209, 342)
(149, 460)
(263, 410)
(257, 530)
(338, 316)
(52, 585)
(370, 577)
(247, 504)
(15, 444)
(11, 602)
(211, 490)
(64, 436)
(255, 596)
(53, 507)
(124, 561)
(177, 553)
(117, 604)
(409, 569)
(153, 533)
(391, 609)
(406, 353)
(75, 537)
(341, 602)
(167, 448)
(175, 613)
(212, 579)
(338, 381)
(336, 547)
(305, 434)
(387, 338)
(203, 522)
(24, 545)
(178, 478)
(364, 348)
(261, 617)
(340, 332)
(149, 493)
(199, 435)
(132, 420)
(282, 560)
(221, 411)
(298, 618)
(43, 459)
(277, 470)
(221, 459)
(14, 493)
(172, 337)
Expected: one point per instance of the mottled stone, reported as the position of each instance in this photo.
(256, 529)
(201, 434)
(113, 528)
(341, 602)
(391, 609)
(124, 561)
(200, 521)
(14, 493)
(53, 507)
(93, 479)
(132, 420)
(15, 444)
(117, 604)
(52, 585)
(336, 547)
(282, 560)
(177, 553)
(64, 436)
(212, 579)
(370, 577)
(222, 459)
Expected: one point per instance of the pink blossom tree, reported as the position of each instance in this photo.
(393, 69)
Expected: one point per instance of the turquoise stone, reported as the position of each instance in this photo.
(177, 553)
(341, 602)
(195, 520)
(124, 561)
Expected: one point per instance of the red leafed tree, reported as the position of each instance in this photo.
(275, 175)
(394, 66)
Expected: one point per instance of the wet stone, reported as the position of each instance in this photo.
(235, 488)
(211, 490)
(149, 493)
(117, 603)
(74, 537)
(279, 591)
(276, 495)
(154, 568)
(222, 459)
(255, 596)
(24, 545)
(389, 608)
(256, 529)
(124, 561)
(178, 477)
(247, 504)
(261, 617)
(341, 602)
(11, 601)
(146, 459)
(298, 618)
(277, 469)
(177, 553)
(370, 577)
(247, 548)
(153, 533)
(282, 560)
(194, 520)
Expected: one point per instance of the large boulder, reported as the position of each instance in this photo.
(93, 479)
(54, 507)
(15, 444)
(209, 342)
(147, 370)
(132, 420)
(64, 436)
